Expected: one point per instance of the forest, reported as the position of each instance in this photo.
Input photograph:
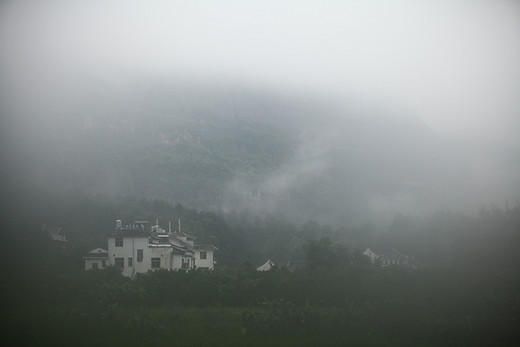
(465, 291)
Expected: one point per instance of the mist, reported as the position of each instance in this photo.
(328, 173)
(406, 107)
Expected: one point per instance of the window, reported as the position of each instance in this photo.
(119, 242)
(130, 261)
(156, 263)
(139, 255)
(103, 263)
(203, 255)
(119, 262)
(94, 265)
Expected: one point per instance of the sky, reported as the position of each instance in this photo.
(455, 64)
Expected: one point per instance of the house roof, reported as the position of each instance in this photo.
(285, 264)
(56, 233)
(204, 247)
(180, 242)
(98, 250)
(182, 249)
(54, 230)
(388, 253)
(393, 254)
(96, 256)
(267, 266)
(97, 253)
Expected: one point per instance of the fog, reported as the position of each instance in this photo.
(448, 67)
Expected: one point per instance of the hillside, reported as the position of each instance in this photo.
(230, 149)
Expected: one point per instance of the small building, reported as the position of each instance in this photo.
(286, 265)
(55, 233)
(267, 266)
(388, 257)
(96, 259)
(137, 248)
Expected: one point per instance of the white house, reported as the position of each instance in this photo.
(55, 233)
(391, 257)
(96, 259)
(287, 265)
(135, 248)
(267, 266)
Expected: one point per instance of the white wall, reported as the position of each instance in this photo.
(176, 262)
(129, 250)
(169, 261)
(204, 263)
(89, 262)
(164, 253)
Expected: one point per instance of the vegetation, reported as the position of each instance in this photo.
(218, 149)
(465, 293)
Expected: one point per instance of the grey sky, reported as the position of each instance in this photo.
(453, 63)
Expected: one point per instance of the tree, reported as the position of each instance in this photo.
(323, 254)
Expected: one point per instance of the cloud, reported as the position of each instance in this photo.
(309, 161)
(453, 63)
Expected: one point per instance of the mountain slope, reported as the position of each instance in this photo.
(230, 149)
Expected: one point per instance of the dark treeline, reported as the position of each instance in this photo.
(467, 288)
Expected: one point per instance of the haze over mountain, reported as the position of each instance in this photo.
(227, 148)
(342, 113)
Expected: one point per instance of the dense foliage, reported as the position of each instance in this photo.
(466, 291)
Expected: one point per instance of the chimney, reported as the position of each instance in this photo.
(119, 224)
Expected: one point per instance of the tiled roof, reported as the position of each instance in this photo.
(96, 255)
(205, 247)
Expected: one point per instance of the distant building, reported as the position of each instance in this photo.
(287, 265)
(96, 259)
(387, 257)
(55, 233)
(267, 266)
(135, 248)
